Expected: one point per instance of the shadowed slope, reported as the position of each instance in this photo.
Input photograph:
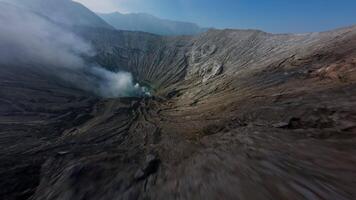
(65, 12)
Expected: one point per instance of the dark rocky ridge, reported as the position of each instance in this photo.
(236, 114)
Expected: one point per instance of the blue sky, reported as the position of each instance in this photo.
(277, 16)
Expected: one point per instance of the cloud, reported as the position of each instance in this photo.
(27, 39)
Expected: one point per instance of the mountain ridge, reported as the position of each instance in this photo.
(149, 23)
(66, 12)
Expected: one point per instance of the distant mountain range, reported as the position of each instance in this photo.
(151, 24)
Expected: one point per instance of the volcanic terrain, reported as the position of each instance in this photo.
(234, 114)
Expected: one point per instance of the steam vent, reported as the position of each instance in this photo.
(227, 114)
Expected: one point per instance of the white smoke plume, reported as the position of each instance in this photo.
(27, 39)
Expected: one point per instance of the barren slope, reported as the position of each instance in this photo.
(236, 114)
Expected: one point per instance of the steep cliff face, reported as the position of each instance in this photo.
(235, 114)
(218, 60)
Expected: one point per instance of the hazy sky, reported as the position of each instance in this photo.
(268, 15)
